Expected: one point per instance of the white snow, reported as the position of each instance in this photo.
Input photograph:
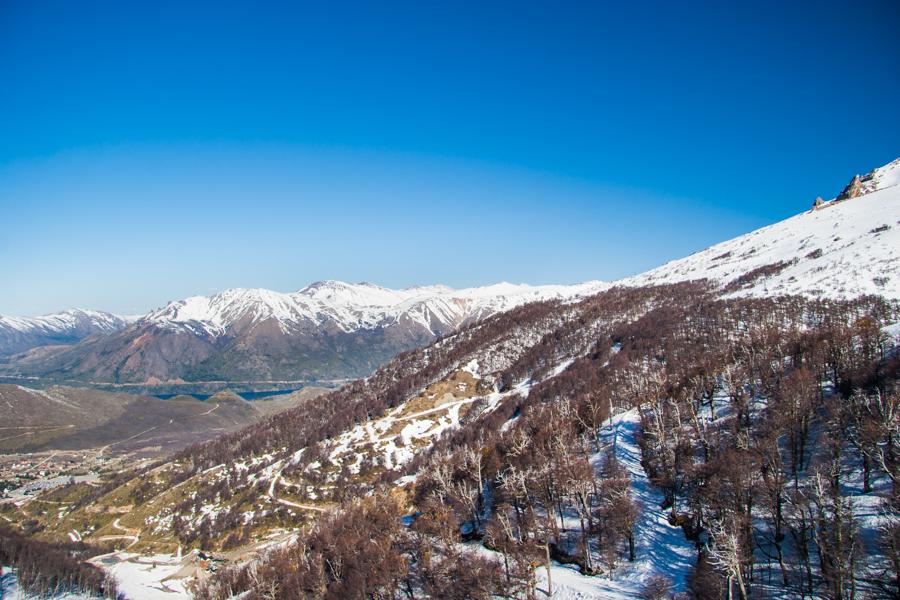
(882, 178)
(843, 249)
(68, 322)
(147, 577)
(352, 307)
(660, 548)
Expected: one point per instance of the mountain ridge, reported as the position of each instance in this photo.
(327, 330)
(842, 248)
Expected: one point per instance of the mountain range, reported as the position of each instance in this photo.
(327, 330)
(844, 248)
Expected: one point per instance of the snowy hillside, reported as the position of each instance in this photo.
(841, 249)
(21, 333)
(601, 449)
(351, 307)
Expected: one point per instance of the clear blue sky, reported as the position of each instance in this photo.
(150, 151)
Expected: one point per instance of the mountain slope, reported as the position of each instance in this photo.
(840, 249)
(69, 418)
(18, 334)
(501, 434)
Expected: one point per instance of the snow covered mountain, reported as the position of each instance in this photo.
(844, 248)
(327, 330)
(351, 307)
(18, 334)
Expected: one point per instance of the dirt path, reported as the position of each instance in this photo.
(443, 407)
(271, 495)
(37, 431)
(104, 448)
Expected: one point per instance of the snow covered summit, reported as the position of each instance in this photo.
(841, 249)
(326, 330)
(351, 307)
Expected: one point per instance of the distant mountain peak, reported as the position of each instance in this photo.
(18, 334)
(328, 329)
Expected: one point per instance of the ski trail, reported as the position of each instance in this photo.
(661, 548)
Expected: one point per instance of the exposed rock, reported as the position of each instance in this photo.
(853, 189)
(861, 185)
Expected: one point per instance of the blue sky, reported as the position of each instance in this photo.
(150, 151)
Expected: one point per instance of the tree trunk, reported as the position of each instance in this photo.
(741, 589)
(867, 468)
(586, 547)
(779, 536)
(562, 522)
(549, 575)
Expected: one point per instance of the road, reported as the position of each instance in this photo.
(271, 495)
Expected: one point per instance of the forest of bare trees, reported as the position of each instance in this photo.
(769, 425)
(46, 570)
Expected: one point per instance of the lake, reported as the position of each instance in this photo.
(245, 395)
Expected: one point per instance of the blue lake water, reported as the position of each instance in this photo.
(244, 395)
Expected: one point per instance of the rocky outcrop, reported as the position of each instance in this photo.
(852, 190)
